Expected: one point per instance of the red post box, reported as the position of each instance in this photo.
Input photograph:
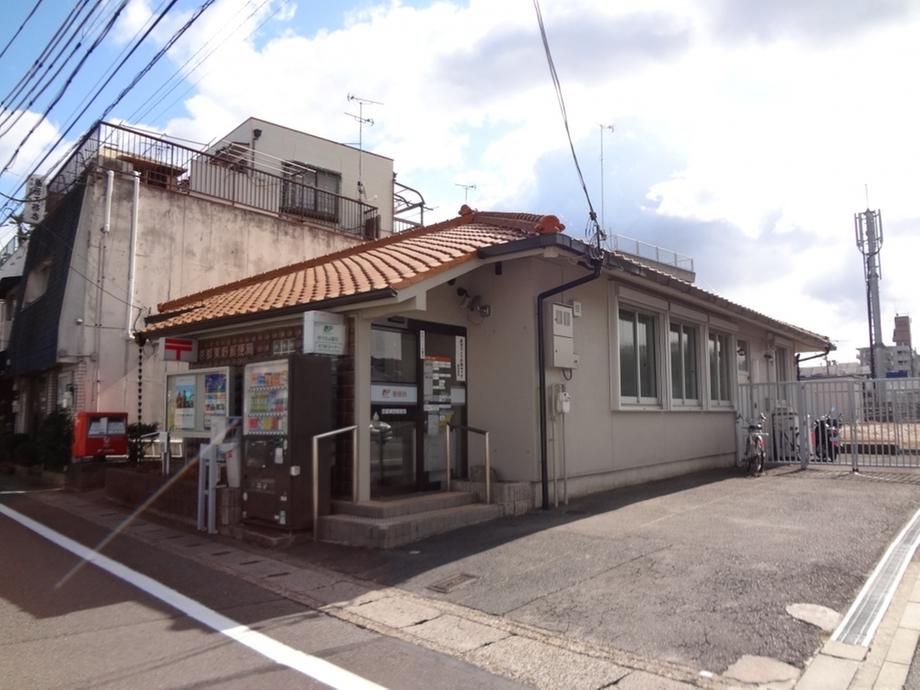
(97, 434)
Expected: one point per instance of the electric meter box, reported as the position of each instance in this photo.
(561, 337)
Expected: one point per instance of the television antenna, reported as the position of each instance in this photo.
(361, 122)
(466, 190)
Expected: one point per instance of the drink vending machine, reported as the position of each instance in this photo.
(285, 403)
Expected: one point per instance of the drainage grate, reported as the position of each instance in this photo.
(451, 583)
(221, 553)
(250, 562)
(864, 616)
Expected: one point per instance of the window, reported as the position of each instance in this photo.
(37, 282)
(310, 192)
(719, 378)
(684, 376)
(782, 366)
(744, 362)
(638, 361)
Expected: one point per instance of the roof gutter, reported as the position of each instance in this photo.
(344, 300)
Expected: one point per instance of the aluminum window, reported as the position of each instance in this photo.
(310, 192)
(638, 357)
(683, 341)
(720, 353)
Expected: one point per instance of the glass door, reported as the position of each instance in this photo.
(394, 411)
(443, 401)
(418, 386)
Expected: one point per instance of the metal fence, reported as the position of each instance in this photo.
(652, 252)
(853, 422)
(231, 175)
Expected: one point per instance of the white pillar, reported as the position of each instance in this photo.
(362, 350)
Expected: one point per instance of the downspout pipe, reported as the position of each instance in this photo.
(100, 287)
(541, 364)
(132, 254)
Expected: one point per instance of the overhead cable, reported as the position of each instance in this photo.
(50, 46)
(64, 87)
(598, 233)
(140, 75)
(16, 110)
(19, 30)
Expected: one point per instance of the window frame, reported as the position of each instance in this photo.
(714, 374)
(639, 401)
(302, 194)
(684, 327)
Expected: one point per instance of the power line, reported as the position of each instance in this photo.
(110, 72)
(165, 108)
(155, 98)
(598, 233)
(17, 110)
(64, 87)
(175, 37)
(46, 51)
(21, 27)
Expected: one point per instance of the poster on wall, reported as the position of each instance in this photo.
(215, 397)
(184, 414)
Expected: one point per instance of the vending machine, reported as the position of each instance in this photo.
(285, 403)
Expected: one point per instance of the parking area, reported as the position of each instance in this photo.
(695, 571)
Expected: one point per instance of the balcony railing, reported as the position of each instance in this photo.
(233, 178)
(652, 252)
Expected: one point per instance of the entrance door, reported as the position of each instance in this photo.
(418, 386)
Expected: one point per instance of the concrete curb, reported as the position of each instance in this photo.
(885, 663)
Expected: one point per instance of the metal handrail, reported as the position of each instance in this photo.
(485, 434)
(315, 466)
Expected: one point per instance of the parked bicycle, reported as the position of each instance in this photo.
(755, 447)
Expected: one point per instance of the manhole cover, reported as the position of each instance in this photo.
(451, 583)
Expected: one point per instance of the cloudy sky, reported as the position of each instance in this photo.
(745, 135)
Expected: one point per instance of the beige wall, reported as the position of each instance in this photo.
(603, 447)
(184, 245)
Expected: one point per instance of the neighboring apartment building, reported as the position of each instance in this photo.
(901, 359)
(135, 218)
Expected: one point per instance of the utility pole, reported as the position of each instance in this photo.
(602, 128)
(361, 122)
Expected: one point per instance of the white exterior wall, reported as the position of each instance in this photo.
(184, 245)
(284, 144)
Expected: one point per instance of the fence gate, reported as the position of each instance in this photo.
(876, 423)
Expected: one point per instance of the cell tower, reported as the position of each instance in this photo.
(869, 242)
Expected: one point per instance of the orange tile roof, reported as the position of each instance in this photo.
(392, 263)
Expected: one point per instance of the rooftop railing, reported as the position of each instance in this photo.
(652, 252)
(230, 175)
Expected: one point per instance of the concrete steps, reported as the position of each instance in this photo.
(407, 505)
(387, 524)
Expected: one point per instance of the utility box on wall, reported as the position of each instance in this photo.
(561, 337)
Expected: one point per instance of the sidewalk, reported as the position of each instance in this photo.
(524, 649)
(886, 663)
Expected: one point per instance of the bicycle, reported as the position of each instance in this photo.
(755, 448)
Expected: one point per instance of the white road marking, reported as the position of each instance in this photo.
(311, 666)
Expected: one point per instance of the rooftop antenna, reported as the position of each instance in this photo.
(361, 122)
(869, 240)
(610, 129)
(466, 190)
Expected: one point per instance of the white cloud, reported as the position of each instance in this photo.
(777, 115)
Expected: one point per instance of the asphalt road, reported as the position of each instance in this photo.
(96, 630)
(695, 571)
